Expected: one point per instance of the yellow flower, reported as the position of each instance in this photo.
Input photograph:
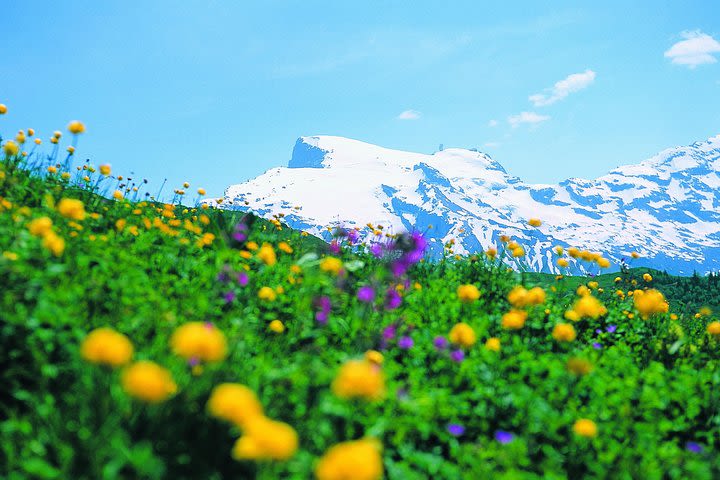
(635, 255)
(713, 329)
(603, 262)
(106, 346)
(705, 311)
(491, 253)
(285, 247)
(105, 170)
(12, 256)
(118, 195)
(245, 254)
(585, 428)
(519, 297)
(266, 439)
(252, 246)
(267, 254)
(468, 293)
(589, 306)
(201, 191)
(76, 127)
(11, 148)
(277, 326)
(40, 226)
(359, 378)
(564, 332)
(518, 252)
(235, 403)
(3, 109)
(267, 293)
(617, 279)
(55, 244)
(463, 334)
(199, 341)
(71, 208)
(647, 277)
(373, 356)
(593, 285)
(356, 460)
(148, 381)
(534, 222)
(562, 262)
(331, 265)
(650, 302)
(514, 319)
(493, 344)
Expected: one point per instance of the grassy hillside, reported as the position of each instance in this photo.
(343, 361)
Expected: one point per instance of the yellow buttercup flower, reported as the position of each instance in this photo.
(76, 127)
(514, 319)
(285, 247)
(589, 306)
(3, 109)
(40, 226)
(266, 253)
(647, 277)
(518, 252)
(267, 293)
(356, 460)
(585, 428)
(235, 403)
(148, 381)
(11, 148)
(276, 326)
(106, 346)
(359, 378)
(373, 356)
(265, 439)
(493, 344)
(463, 334)
(54, 243)
(713, 329)
(562, 262)
(199, 341)
(71, 208)
(534, 222)
(331, 265)
(468, 293)
(564, 332)
(105, 170)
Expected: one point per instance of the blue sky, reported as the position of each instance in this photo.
(216, 92)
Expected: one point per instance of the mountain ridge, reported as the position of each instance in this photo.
(667, 207)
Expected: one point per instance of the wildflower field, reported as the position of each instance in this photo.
(142, 339)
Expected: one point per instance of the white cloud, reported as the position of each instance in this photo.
(409, 115)
(491, 144)
(697, 48)
(572, 83)
(492, 123)
(527, 117)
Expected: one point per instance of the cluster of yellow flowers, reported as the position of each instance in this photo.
(144, 380)
(462, 334)
(650, 302)
(262, 438)
(587, 306)
(468, 293)
(42, 227)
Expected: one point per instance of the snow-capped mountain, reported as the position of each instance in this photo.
(667, 208)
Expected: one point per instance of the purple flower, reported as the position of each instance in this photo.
(240, 232)
(352, 236)
(223, 276)
(598, 331)
(324, 305)
(597, 345)
(366, 294)
(455, 429)
(389, 332)
(193, 361)
(398, 268)
(457, 356)
(376, 249)
(504, 437)
(611, 328)
(229, 297)
(392, 299)
(440, 343)
(694, 447)
(242, 279)
(405, 342)
(335, 247)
